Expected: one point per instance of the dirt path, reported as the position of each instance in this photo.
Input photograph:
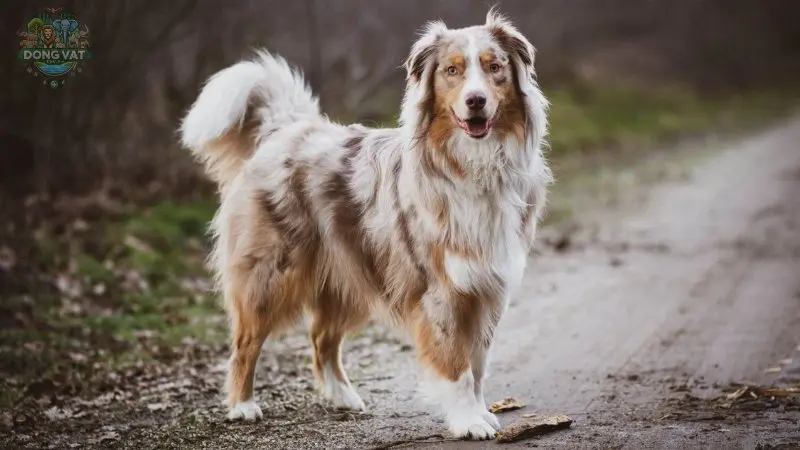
(634, 325)
(696, 286)
(656, 305)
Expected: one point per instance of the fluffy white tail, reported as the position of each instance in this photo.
(237, 105)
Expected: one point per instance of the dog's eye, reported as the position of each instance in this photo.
(494, 67)
(452, 70)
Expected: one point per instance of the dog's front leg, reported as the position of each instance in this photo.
(446, 339)
(480, 369)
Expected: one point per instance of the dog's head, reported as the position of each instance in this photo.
(477, 80)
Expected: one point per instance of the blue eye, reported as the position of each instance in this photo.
(452, 70)
(494, 67)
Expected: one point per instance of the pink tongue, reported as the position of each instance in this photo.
(477, 129)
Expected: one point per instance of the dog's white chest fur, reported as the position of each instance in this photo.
(466, 273)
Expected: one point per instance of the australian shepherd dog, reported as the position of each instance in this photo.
(427, 226)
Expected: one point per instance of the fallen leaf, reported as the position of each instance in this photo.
(785, 362)
(738, 393)
(157, 406)
(772, 370)
(529, 427)
(506, 404)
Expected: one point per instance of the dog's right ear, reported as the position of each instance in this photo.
(422, 52)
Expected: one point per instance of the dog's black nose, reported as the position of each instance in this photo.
(476, 102)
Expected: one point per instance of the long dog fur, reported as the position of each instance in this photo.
(421, 225)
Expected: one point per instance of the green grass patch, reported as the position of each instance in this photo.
(130, 287)
(600, 134)
(160, 254)
(601, 118)
(171, 225)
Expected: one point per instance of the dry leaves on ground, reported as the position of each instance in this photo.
(506, 404)
(748, 392)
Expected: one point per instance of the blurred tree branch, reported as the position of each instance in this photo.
(314, 45)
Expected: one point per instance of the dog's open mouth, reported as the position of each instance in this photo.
(475, 127)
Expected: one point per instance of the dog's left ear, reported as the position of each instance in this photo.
(422, 52)
(522, 53)
(511, 40)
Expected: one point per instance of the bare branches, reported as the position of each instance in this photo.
(314, 44)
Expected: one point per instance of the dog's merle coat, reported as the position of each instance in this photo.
(427, 225)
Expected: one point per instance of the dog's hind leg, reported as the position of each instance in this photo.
(249, 333)
(333, 319)
(263, 301)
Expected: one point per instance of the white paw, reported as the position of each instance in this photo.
(471, 426)
(343, 396)
(491, 419)
(340, 393)
(247, 411)
(349, 400)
